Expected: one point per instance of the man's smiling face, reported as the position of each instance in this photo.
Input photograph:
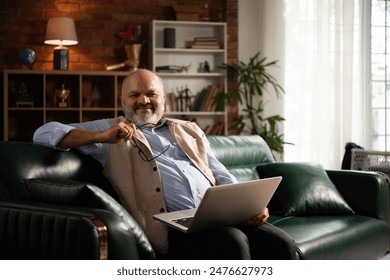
(143, 97)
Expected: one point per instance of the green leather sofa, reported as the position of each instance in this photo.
(58, 205)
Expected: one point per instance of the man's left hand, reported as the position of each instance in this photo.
(259, 219)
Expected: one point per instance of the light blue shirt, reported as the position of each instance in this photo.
(184, 185)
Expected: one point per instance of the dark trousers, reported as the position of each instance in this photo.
(265, 242)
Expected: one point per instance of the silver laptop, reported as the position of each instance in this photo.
(224, 205)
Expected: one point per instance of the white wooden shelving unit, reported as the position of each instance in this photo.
(195, 79)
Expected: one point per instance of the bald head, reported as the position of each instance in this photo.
(143, 78)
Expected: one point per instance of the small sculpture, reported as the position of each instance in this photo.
(63, 95)
(186, 68)
(206, 67)
(95, 97)
(184, 98)
(24, 97)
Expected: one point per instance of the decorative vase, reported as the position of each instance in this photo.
(133, 53)
(170, 38)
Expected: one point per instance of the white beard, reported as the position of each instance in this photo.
(144, 119)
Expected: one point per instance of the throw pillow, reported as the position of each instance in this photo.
(305, 189)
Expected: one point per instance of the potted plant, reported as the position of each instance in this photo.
(253, 79)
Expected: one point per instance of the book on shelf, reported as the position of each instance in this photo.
(206, 99)
(205, 39)
(205, 43)
(211, 102)
(169, 68)
(199, 100)
(216, 129)
(199, 46)
(170, 102)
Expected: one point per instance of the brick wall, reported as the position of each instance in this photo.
(23, 24)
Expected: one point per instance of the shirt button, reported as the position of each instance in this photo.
(162, 210)
(158, 189)
(155, 168)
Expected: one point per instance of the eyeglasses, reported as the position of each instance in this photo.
(146, 125)
(143, 156)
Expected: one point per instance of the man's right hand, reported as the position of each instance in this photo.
(118, 132)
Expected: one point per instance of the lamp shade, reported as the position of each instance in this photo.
(61, 31)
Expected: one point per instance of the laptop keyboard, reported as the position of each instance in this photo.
(184, 221)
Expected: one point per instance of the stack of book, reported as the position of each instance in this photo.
(205, 43)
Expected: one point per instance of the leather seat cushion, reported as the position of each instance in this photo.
(336, 237)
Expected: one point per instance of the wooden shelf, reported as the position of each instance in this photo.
(40, 88)
(21, 122)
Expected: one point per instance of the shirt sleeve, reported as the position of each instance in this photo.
(50, 134)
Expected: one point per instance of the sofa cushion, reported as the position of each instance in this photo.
(70, 192)
(305, 190)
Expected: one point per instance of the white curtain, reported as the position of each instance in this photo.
(326, 77)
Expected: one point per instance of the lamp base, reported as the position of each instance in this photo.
(61, 58)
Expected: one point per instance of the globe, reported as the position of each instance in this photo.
(28, 57)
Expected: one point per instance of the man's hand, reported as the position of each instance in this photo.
(118, 132)
(259, 219)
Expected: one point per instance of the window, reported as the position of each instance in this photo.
(380, 74)
(326, 79)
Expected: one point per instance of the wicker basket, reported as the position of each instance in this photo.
(370, 161)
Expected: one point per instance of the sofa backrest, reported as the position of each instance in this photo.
(21, 161)
(241, 154)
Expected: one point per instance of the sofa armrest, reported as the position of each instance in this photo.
(367, 193)
(47, 231)
(81, 194)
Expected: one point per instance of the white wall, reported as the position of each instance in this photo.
(248, 28)
(261, 30)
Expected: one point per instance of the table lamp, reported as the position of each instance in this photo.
(61, 31)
